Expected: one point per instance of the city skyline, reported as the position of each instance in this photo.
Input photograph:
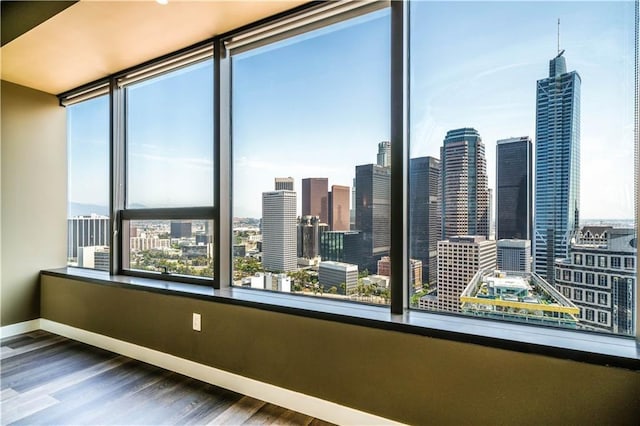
(598, 42)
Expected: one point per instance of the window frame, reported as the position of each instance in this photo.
(221, 215)
(120, 213)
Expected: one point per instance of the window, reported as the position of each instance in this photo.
(577, 294)
(603, 317)
(464, 113)
(629, 262)
(602, 280)
(311, 161)
(602, 261)
(615, 262)
(308, 108)
(603, 299)
(589, 314)
(577, 277)
(88, 227)
(167, 211)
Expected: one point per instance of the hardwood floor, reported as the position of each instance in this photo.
(48, 379)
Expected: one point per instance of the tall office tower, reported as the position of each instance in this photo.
(279, 248)
(514, 255)
(310, 231)
(181, 229)
(315, 198)
(557, 193)
(464, 184)
(339, 208)
(459, 259)
(284, 183)
(599, 276)
(86, 231)
(425, 224)
(341, 246)
(373, 212)
(514, 188)
(384, 154)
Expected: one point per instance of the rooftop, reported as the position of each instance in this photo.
(517, 296)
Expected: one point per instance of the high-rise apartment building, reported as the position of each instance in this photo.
(279, 248)
(557, 188)
(424, 212)
(339, 208)
(459, 259)
(284, 183)
(384, 154)
(464, 184)
(599, 276)
(514, 188)
(315, 198)
(86, 231)
(373, 210)
(514, 255)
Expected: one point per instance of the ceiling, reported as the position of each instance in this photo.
(58, 48)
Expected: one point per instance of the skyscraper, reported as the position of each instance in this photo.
(373, 192)
(425, 224)
(279, 248)
(557, 193)
(309, 233)
(384, 154)
(464, 184)
(514, 188)
(339, 208)
(315, 198)
(284, 183)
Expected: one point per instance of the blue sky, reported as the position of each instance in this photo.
(317, 105)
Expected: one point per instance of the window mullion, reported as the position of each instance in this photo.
(117, 177)
(399, 261)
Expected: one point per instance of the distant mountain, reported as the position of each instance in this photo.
(80, 209)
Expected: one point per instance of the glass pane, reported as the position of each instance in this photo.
(170, 139)
(521, 173)
(88, 184)
(178, 247)
(311, 162)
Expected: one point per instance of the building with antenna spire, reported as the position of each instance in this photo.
(557, 164)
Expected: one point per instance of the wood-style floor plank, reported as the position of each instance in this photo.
(48, 379)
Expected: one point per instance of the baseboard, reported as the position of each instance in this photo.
(19, 328)
(296, 401)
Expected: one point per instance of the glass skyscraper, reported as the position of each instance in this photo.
(425, 223)
(557, 193)
(465, 185)
(514, 191)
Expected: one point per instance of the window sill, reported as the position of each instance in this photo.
(594, 348)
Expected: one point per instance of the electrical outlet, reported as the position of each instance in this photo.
(196, 322)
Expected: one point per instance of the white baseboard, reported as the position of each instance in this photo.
(296, 401)
(19, 328)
